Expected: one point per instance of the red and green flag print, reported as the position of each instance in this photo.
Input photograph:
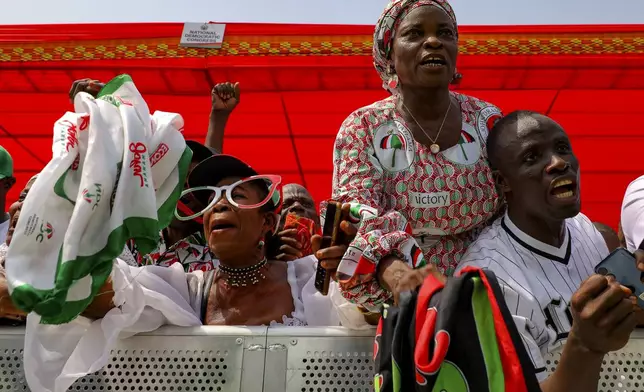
(465, 139)
(417, 257)
(393, 142)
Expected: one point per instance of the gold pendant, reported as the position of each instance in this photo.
(434, 148)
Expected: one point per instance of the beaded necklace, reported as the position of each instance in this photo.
(242, 277)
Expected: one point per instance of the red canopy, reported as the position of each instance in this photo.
(300, 81)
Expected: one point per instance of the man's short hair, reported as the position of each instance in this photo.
(509, 121)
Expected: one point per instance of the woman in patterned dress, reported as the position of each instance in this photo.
(413, 166)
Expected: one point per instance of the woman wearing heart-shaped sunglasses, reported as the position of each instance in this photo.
(233, 280)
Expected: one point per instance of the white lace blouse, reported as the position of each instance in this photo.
(186, 293)
(310, 307)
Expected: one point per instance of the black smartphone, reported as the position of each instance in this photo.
(621, 264)
(330, 237)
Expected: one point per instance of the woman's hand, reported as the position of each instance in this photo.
(330, 257)
(397, 276)
(90, 86)
(7, 309)
(290, 248)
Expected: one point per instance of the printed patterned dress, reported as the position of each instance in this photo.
(191, 252)
(414, 204)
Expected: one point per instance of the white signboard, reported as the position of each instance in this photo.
(202, 35)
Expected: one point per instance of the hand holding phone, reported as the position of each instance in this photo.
(622, 265)
(332, 252)
(295, 238)
(331, 235)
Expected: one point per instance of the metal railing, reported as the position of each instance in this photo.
(255, 359)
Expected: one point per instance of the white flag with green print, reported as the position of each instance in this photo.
(116, 174)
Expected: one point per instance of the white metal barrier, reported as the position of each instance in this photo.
(622, 371)
(235, 359)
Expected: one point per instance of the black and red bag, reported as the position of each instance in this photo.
(458, 337)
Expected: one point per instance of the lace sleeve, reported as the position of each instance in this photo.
(289, 322)
(3, 253)
(128, 257)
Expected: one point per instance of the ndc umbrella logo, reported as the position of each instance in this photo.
(465, 139)
(393, 146)
(93, 198)
(46, 229)
(89, 197)
(393, 142)
(467, 150)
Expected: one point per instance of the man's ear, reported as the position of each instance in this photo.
(502, 185)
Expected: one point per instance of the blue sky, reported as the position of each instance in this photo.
(469, 12)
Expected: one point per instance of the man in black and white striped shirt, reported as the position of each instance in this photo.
(543, 252)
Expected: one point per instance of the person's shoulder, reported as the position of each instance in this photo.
(478, 105)
(480, 114)
(385, 104)
(376, 112)
(490, 233)
(583, 231)
(489, 243)
(583, 224)
(584, 227)
(279, 267)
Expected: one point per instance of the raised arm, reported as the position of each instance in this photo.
(87, 85)
(225, 97)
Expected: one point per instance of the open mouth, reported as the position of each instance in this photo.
(563, 189)
(222, 226)
(433, 62)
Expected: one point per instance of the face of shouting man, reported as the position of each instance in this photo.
(538, 172)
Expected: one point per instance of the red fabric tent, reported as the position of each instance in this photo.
(300, 81)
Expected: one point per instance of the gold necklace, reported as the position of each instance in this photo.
(434, 147)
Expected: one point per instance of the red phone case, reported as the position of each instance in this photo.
(305, 229)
